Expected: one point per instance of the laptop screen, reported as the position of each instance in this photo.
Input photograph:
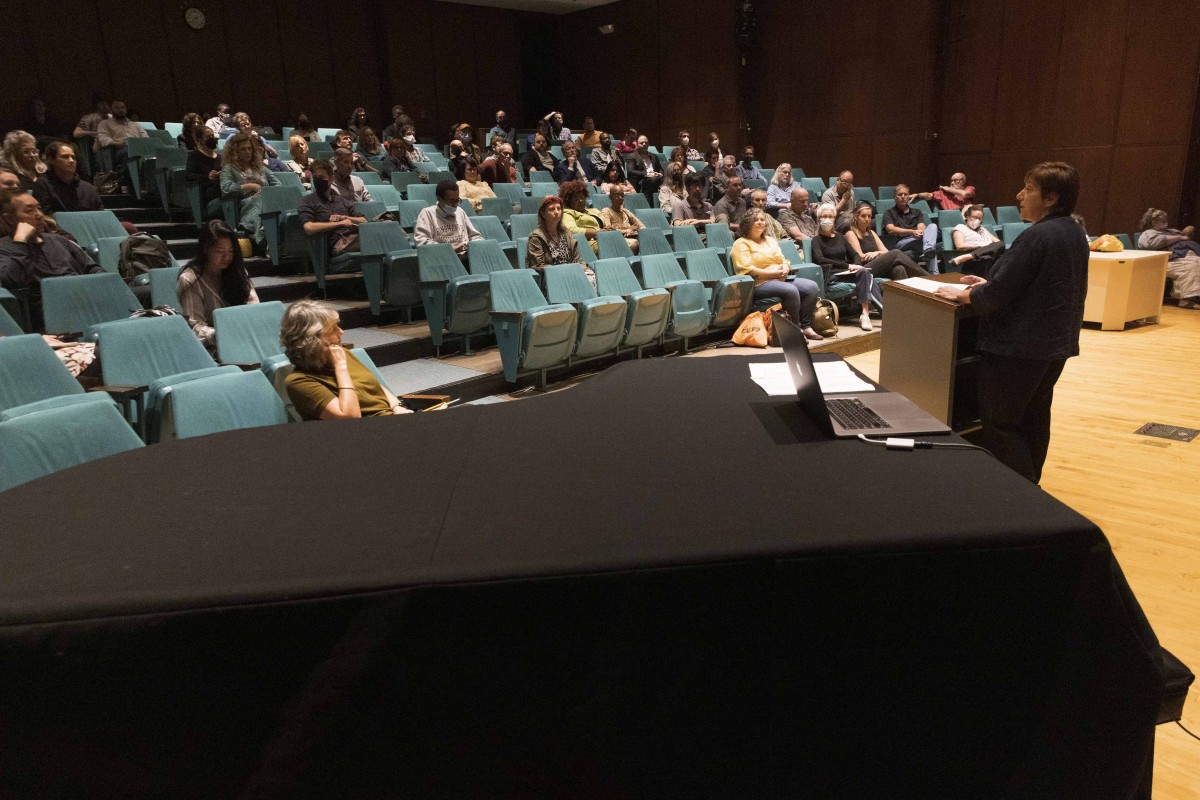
(804, 374)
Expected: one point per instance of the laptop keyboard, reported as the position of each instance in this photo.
(851, 413)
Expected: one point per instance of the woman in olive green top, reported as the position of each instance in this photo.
(329, 382)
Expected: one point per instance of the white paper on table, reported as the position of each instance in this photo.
(923, 284)
(835, 377)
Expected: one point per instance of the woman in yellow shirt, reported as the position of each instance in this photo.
(473, 189)
(758, 255)
(577, 217)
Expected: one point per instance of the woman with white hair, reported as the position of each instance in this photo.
(779, 190)
(21, 158)
(1183, 265)
(840, 262)
(329, 382)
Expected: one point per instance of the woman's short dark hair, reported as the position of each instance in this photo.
(971, 209)
(51, 151)
(572, 191)
(1060, 178)
(235, 280)
(444, 188)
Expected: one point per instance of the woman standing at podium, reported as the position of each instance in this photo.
(1031, 304)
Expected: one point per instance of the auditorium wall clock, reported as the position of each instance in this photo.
(195, 18)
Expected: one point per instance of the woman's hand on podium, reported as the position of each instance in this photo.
(960, 294)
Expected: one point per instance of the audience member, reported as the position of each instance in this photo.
(694, 210)
(679, 156)
(745, 168)
(221, 123)
(323, 210)
(839, 262)
(345, 182)
(472, 189)
(21, 158)
(356, 122)
(115, 132)
(342, 140)
(550, 243)
(243, 175)
(779, 190)
(732, 206)
(1183, 265)
(539, 158)
(396, 160)
(244, 124)
(672, 189)
(502, 128)
(299, 163)
(979, 243)
(215, 278)
(466, 137)
(89, 123)
(956, 195)
(1031, 309)
(604, 154)
(445, 222)
(590, 137)
(498, 167)
(305, 130)
(841, 196)
(714, 181)
(328, 382)
(204, 170)
(411, 150)
(572, 167)
(9, 179)
(918, 239)
(59, 188)
(191, 121)
(368, 143)
(758, 255)
(614, 177)
(577, 217)
(399, 119)
(30, 253)
(797, 218)
(459, 156)
(758, 199)
(685, 144)
(619, 218)
(883, 263)
(558, 131)
(714, 143)
(629, 144)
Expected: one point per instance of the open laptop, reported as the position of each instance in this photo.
(848, 415)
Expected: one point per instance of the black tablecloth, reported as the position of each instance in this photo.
(661, 583)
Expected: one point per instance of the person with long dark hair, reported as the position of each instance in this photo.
(215, 278)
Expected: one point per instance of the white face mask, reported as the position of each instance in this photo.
(974, 224)
(716, 143)
(447, 211)
(826, 224)
(410, 139)
(685, 140)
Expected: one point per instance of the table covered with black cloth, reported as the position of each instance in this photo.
(661, 583)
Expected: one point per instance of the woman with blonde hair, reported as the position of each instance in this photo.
(1183, 265)
(299, 163)
(779, 189)
(328, 381)
(368, 143)
(243, 175)
(21, 158)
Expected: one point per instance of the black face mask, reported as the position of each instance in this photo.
(211, 142)
(321, 185)
(747, 158)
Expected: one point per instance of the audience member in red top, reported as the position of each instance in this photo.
(956, 195)
(629, 143)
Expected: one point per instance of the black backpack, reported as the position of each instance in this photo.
(140, 253)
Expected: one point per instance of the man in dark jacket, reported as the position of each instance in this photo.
(1031, 304)
(31, 253)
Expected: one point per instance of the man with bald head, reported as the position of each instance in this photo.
(955, 195)
(841, 197)
(798, 219)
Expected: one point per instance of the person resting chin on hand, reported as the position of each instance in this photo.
(328, 381)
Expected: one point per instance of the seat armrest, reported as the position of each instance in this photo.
(515, 316)
(244, 366)
(420, 402)
(121, 392)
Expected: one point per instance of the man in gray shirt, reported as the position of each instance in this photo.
(732, 206)
(841, 196)
(797, 219)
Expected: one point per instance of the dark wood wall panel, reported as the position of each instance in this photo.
(1090, 68)
(1143, 176)
(254, 46)
(1160, 73)
(141, 74)
(972, 64)
(197, 61)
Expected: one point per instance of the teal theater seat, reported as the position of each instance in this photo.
(484, 256)
(601, 320)
(689, 305)
(533, 335)
(74, 303)
(730, 296)
(389, 266)
(455, 301)
(248, 334)
(648, 310)
(227, 402)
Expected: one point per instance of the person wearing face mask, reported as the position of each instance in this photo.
(502, 128)
(204, 170)
(325, 210)
(685, 143)
(399, 120)
(980, 244)
(30, 253)
(305, 130)
(590, 136)
(1183, 265)
(604, 154)
(840, 263)
(540, 157)
(714, 143)
(446, 223)
(745, 168)
(115, 132)
(60, 188)
(841, 196)
(466, 137)
(410, 145)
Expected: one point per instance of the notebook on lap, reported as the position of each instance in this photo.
(848, 415)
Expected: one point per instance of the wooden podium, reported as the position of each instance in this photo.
(927, 353)
(1125, 286)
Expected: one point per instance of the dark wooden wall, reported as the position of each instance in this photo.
(444, 62)
(909, 92)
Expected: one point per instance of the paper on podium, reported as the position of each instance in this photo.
(924, 284)
(835, 377)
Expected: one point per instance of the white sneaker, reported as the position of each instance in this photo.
(865, 322)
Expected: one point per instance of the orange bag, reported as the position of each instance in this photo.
(1107, 244)
(752, 332)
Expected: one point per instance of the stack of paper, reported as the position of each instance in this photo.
(834, 376)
